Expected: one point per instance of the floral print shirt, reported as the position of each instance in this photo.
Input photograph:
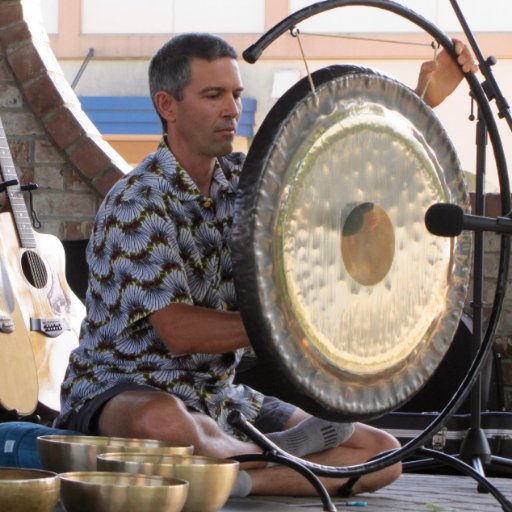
(157, 241)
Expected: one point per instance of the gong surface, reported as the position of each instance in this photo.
(340, 284)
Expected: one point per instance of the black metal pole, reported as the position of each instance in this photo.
(80, 72)
(475, 449)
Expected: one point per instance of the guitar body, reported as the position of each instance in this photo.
(51, 312)
(18, 372)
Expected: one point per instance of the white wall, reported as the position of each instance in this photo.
(489, 15)
(172, 16)
(247, 16)
(50, 11)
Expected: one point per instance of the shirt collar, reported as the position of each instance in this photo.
(185, 186)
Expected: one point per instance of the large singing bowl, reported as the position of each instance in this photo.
(343, 291)
(28, 490)
(63, 453)
(211, 480)
(97, 491)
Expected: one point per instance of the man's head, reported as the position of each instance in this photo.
(196, 89)
(169, 69)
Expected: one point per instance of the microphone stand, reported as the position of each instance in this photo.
(475, 449)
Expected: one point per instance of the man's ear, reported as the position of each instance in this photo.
(164, 103)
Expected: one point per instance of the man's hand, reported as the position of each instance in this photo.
(440, 77)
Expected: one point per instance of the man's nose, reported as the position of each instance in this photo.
(232, 107)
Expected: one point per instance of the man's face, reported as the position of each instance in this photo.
(205, 121)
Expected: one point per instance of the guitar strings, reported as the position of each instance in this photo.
(37, 269)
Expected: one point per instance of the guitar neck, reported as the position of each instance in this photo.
(16, 200)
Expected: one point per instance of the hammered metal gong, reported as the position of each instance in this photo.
(341, 287)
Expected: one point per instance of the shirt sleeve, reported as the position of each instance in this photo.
(135, 263)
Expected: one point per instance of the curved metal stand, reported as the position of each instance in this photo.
(481, 93)
(309, 470)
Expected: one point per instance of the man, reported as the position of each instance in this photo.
(162, 336)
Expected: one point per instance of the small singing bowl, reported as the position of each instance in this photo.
(61, 453)
(211, 480)
(28, 490)
(98, 491)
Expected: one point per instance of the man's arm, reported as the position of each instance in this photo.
(439, 78)
(187, 329)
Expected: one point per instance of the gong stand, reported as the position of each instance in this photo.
(475, 448)
(482, 344)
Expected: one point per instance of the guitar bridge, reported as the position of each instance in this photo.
(52, 327)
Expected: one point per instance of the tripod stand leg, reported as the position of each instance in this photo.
(470, 471)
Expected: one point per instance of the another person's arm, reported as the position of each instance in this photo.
(439, 78)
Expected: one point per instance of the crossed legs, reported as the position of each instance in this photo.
(158, 415)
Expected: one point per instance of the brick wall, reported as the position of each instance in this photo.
(52, 142)
(56, 146)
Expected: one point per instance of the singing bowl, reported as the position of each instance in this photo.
(342, 289)
(62, 453)
(211, 480)
(100, 491)
(28, 490)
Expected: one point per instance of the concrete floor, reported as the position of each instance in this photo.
(410, 493)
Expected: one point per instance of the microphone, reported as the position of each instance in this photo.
(446, 219)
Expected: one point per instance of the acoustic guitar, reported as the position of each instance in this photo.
(18, 372)
(35, 262)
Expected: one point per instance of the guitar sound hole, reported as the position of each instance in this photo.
(34, 269)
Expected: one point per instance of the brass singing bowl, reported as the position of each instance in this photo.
(99, 491)
(61, 453)
(28, 490)
(211, 480)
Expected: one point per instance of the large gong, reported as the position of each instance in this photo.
(342, 289)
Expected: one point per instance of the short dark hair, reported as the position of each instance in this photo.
(169, 69)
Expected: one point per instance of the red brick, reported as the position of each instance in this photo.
(64, 128)
(26, 63)
(45, 152)
(5, 71)
(43, 96)
(26, 175)
(89, 158)
(10, 13)
(14, 35)
(20, 151)
(104, 182)
(73, 181)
